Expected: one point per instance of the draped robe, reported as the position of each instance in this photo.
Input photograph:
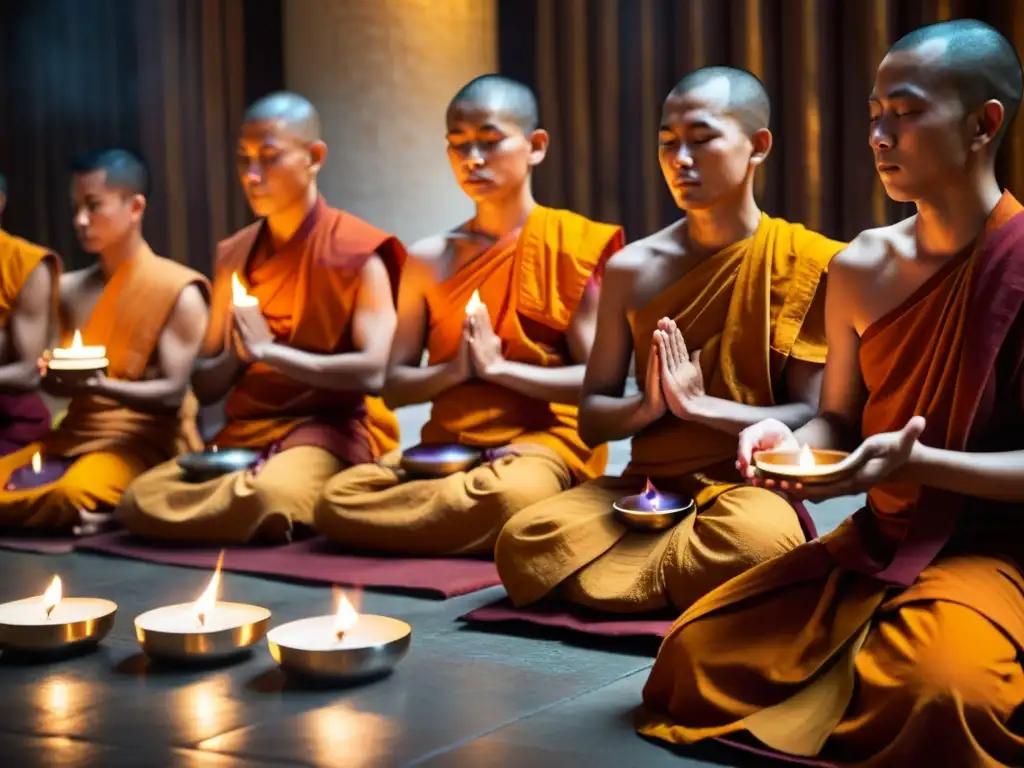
(101, 445)
(895, 640)
(532, 283)
(749, 308)
(307, 290)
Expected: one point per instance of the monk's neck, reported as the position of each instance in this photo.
(949, 223)
(496, 219)
(116, 255)
(285, 223)
(712, 229)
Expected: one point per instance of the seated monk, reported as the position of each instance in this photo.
(29, 277)
(724, 312)
(503, 377)
(150, 313)
(297, 364)
(897, 639)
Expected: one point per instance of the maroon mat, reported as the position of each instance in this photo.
(575, 618)
(43, 545)
(312, 560)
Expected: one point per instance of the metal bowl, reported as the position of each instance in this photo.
(207, 465)
(297, 652)
(439, 459)
(201, 646)
(72, 376)
(59, 635)
(630, 511)
(784, 465)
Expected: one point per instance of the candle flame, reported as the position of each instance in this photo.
(76, 343)
(345, 618)
(208, 600)
(239, 296)
(806, 457)
(37, 463)
(52, 596)
(651, 493)
(474, 303)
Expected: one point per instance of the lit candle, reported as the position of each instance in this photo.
(239, 296)
(77, 360)
(51, 621)
(474, 303)
(651, 510)
(806, 458)
(805, 465)
(37, 463)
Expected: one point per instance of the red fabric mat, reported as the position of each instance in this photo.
(314, 560)
(575, 618)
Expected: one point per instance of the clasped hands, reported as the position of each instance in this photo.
(674, 380)
(480, 352)
(251, 333)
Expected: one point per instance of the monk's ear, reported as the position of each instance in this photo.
(317, 155)
(539, 140)
(138, 206)
(989, 121)
(762, 142)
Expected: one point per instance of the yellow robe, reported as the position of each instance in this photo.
(532, 283)
(104, 445)
(844, 649)
(749, 308)
(307, 291)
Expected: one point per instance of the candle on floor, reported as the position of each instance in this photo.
(51, 622)
(207, 629)
(239, 296)
(77, 362)
(346, 645)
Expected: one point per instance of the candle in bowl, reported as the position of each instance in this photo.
(344, 647)
(38, 472)
(206, 630)
(439, 459)
(474, 303)
(76, 363)
(806, 465)
(52, 622)
(652, 510)
(239, 296)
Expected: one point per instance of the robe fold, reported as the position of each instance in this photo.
(532, 282)
(895, 640)
(24, 418)
(102, 444)
(307, 290)
(749, 308)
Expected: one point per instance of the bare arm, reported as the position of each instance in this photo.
(995, 476)
(29, 331)
(213, 377)
(373, 326)
(177, 348)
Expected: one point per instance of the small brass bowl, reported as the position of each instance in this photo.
(71, 375)
(207, 465)
(785, 465)
(307, 648)
(75, 622)
(233, 628)
(634, 511)
(439, 459)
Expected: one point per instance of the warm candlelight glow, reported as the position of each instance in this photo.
(77, 354)
(239, 296)
(76, 343)
(806, 457)
(37, 463)
(52, 596)
(474, 303)
(651, 494)
(208, 600)
(345, 618)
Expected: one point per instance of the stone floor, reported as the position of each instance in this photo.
(462, 697)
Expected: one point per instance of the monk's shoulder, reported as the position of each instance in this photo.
(585, 239)
(648, 254)
(176, 273)
(227, 247)
(870, 251)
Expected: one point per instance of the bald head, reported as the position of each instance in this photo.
(743, 94)
(124, 170)
(982, 64)
(289, 110)
(499, 94)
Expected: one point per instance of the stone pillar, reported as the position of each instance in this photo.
(381, 72)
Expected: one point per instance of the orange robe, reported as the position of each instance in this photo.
(532, 282)
(749, 308)
(24, 418)
(307, 290)
(102, 445)
(895, 640)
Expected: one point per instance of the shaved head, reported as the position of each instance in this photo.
(500, 94)
(980, 62)
(745, 96)
(124, 171)
(291, 111)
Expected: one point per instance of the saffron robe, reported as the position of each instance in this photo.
(895, 640)
(307, 291)
(101, 444)
(532, 283)
(749, 308)
(24, 418)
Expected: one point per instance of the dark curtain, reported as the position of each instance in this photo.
(601, 69)
(167, 79)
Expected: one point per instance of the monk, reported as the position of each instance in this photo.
(897, 639)
(504, 305)
(29, 279)
(150, 313)
(297, 363)
(723, 310)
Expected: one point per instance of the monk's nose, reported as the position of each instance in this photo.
(880, 139)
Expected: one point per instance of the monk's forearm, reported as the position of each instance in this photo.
(732, 418)
(828, 432)
(213, 377)
(552, 385)
(155, 396)
(411, 385)
(347, 372)
(19, 378)
(995, 476)
(604, 419)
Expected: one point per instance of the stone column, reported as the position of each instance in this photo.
(381, 72)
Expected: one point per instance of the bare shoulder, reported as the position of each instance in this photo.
(192, 302)
(430, 248)
(646, 254)
(872, 250)
(73, 283)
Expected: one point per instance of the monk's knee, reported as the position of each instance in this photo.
(753, 524)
